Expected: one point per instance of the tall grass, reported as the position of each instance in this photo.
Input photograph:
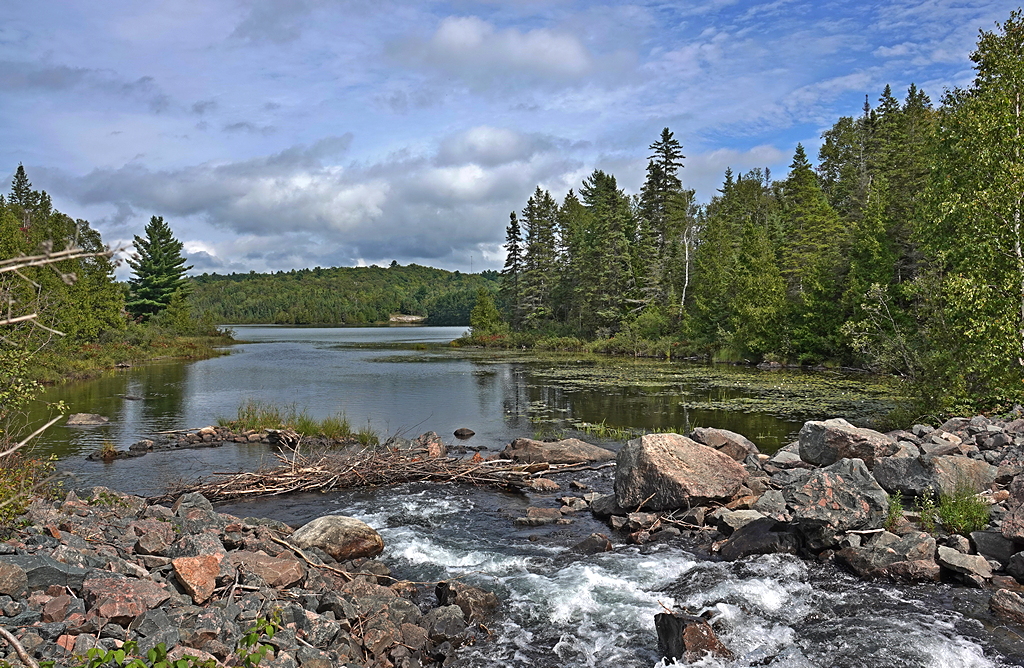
(257, 415)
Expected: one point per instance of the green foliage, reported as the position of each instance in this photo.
(340, 296)
(367, 436)
(158, 270)
(251, 650)
(256, 415)
(927, 511)
(895, 512)
(485, 318)
(962, 511)
(23, 477)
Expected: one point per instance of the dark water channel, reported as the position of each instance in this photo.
(559, 609)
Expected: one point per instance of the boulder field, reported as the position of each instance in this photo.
(101, 568)
(828, 494)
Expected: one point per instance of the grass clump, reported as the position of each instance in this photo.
(927, 510)
(962, 511)
(603, 430)
(257, 415)
(895, 512)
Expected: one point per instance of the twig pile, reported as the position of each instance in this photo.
(371, 467)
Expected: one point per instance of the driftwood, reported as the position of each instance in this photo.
(325, 471)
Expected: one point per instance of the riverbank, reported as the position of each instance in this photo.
(57, 363)
(828, 498)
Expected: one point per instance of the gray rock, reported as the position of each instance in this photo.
(444, 624)
(86, 419)
(567, 451)
(834, 500)
(761, 536)
(964, 563)
(731, 520)
(772, 504)
(993, 545)
(339, 536)
(1007, 605)
(667, 471)
(735, 445)
(938, 475)
(1015, 566)
(13, 580)
(603, 506)
(825, 442)
(42, 571)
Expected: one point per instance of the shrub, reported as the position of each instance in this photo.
(962, 511)
(895, 512)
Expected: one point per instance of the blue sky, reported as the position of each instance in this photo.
(279, 135)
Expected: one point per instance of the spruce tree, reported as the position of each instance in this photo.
(511, 274)
(158, 270)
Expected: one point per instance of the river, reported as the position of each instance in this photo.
(559, 609)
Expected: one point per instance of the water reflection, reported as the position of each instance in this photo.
(399, 381)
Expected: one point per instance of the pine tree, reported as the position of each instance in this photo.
(158, 270)
(512, 272)
(540, 270)
(21, 190)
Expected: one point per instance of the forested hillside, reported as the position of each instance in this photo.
(900, 251)
(341, 295)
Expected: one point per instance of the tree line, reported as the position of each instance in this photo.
(341, 295)
(900, 251)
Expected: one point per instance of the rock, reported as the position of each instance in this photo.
(544, 485)
(687, 638)
(341, 537)
(477, 605)
(462, 433)
(275, 571)
(593, 544)
(735, 445)
(566, 451)
(536, 517)
(908, 558)
(731, 520)
(431, 444)
(761, 536)
(963, 563)
(1007, 605)
(444, 624)
(826, 442)
(836, 499)
(42, 571)
(772, 504)
(13, 580)
(935, 474)
(603, 506)
(667, 471)
(121, 600)
(198, 574)
(86, 419)
(993, 545)
(1012, 526)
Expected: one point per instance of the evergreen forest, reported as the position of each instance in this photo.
(898, 250)
(341, 295)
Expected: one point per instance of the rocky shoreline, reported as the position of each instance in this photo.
(101, 568)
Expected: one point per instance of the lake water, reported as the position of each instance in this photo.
(407, 380)
(558, 608)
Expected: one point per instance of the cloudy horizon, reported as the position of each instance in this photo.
(281, 135)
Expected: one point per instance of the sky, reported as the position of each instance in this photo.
(276, 135)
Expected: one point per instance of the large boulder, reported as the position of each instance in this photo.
(664, 471)
(566, 451)
(735, 445)
(910, 557)
(341, 537)
(825, 442)
(762, 536)
(914, 476)
(834, 500)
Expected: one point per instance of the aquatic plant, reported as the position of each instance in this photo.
(367, 436)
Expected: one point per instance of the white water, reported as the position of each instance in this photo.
(566, 610)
